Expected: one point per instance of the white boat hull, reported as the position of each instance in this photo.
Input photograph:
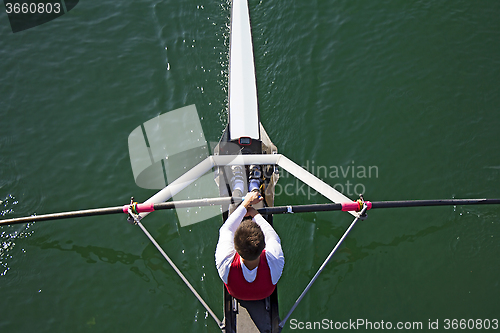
(243, 104)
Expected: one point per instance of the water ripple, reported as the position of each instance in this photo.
(8, 237)
(475, 233)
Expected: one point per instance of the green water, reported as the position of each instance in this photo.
(408, 88)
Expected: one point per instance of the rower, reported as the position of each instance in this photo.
(249, 257)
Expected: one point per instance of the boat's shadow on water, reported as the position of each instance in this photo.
(149, 265)
(90, 253)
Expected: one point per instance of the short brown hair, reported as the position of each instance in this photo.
(249, 240)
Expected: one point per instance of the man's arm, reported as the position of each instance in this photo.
(225, 251)
(274, 252)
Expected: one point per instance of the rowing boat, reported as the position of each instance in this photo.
(245, 135)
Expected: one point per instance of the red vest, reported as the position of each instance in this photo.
(240, 288)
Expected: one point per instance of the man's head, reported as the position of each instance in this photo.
(249, 240)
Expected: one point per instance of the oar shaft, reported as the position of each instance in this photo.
(300, 209)
(64, 215)
(123, 209)
(352, 206)
(423, 203)
(196, 203)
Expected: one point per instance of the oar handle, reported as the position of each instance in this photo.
(149, 207)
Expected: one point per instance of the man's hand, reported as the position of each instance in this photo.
(251, 212)
(251, 199)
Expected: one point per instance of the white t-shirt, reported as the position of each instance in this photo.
(225, 252)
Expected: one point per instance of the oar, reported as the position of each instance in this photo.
(357, 205)
(150, 207)
(136, 208)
